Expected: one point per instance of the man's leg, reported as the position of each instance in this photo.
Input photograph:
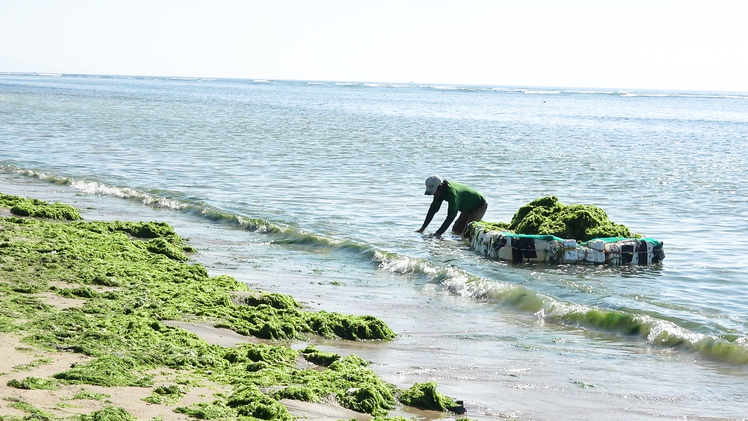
(466, 218)
(460, 223)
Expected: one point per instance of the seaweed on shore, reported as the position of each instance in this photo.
(548, 216)
(165, 395)
(33, 412)
(426, 396)
(94, 396)
(109, 413)
(313, 355)
(109, 370)
(22, 206)
(32, 383)
(128, 288)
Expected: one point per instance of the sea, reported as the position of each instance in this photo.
(316, 188)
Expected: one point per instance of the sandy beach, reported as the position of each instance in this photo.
(19, 360)
(85, 333)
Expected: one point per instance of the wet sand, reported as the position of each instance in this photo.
(21, 361)
(18, 362)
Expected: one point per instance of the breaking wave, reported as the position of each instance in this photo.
(653, 331)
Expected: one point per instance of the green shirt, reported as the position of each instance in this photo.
(460, 198)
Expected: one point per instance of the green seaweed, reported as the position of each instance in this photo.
(33, 412)
(380, 418)
(162, 246)
(354, 385)
(271, 355)
(36, 363)
(122, 329)
(109, 413)
(80, 292)
(274, 300)
(94, 396)
(313, 355)
(208, 411)
(109, 370)
(425, 396)
(250, 402)
(276, 316)
(165, 395)
(493, 226)
(34, 383)
(548, 216)
(38, 208)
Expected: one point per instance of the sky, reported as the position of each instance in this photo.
(680, 45)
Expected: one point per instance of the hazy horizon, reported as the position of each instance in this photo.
(663, 45)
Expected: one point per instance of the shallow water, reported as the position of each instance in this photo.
(315, 190)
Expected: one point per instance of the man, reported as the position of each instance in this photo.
(460, 198)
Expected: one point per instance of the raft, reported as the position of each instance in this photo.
(523, 248)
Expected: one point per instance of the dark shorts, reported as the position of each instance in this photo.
(467, 217)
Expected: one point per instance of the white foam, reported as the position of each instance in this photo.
(590, 92)
(536, 92)
(94, 188)
(399, 264)
(662, 331)
(674, 95)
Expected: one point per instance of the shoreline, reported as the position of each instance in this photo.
(139, 347)
(473, 351)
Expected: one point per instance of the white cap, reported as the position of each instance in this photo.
(432, 183)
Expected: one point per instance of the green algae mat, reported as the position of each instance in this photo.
(34, 207)
(131, 277)
(548, 216)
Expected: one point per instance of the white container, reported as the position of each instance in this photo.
(598, 245)
(626, 254)
(648, 247)
(585, 254)
(613, 248)
(492, 240)
(570, 244)
(592, 255)
(481, 245)
(613, 253)
(541, 250)
(597, 256)
(570, 256)
(505, 253)
(555, 252)
(634, 258)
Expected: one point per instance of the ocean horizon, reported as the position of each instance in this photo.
(482, 86)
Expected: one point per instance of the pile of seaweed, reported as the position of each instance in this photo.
(548, 216)
(23, 206)
(133, 276)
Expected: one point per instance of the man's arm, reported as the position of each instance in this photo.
(433, 209)
(451, 214)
